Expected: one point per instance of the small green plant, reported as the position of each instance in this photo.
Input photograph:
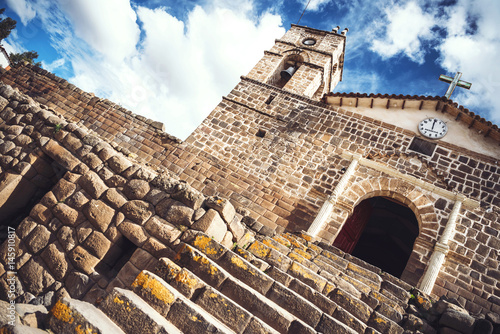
(57, 128)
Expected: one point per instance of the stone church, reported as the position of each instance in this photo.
(290, 209)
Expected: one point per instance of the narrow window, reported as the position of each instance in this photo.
(270, 98)
(422, 146)
(261, 133)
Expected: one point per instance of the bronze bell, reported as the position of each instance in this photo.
(287, 74)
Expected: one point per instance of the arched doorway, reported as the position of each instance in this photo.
(380, 231)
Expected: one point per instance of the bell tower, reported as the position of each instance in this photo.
(305, 61)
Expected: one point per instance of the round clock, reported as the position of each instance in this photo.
(433, 128)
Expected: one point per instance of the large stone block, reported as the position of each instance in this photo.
(115, 198)
(35, 277)
(136, 189)
(66, 214)
(63, 189)
(97, 244)
(99, 214)
(119, 163)
(223, 207)
(83, 260)
(92, 184)
(56, 261)
(138, 211)
(60, 154)
(212, 224)
(162, 230)
(133, 232)
(38, 239)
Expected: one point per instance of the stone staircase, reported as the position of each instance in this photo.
(283, 284)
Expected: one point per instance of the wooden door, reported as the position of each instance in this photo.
(353, 228)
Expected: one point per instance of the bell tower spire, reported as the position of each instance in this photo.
(304, 61)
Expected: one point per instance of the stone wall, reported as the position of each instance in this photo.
(280, 160)
(105, 219)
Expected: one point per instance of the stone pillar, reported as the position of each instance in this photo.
(441, 249)
(323, 214)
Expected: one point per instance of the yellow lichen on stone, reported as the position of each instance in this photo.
(270, 244)
(79, 330)
(303, 253)
(203, 243)
(184, 278)
(305, 237)
(62, 312)
(154, 287)
(239, 262)
(258, 249)
(282, 241)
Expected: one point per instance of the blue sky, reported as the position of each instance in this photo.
(172, 61)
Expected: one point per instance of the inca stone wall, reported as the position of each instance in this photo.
(79, 239)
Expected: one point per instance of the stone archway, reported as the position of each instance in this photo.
(405, 196)
(380, 231)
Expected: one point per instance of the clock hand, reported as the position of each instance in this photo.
(433, 123)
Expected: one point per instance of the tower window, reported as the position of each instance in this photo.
(261, 133)
(309, 41)
(422, 146)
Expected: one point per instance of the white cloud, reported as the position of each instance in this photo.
(178, 71)
(23, 9)
(51, 67)
(407, 26)
(314, 5)
(472, 46)
(108, 26)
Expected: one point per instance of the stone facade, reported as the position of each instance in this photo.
(111, 195)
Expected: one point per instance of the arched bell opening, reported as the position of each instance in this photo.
(382, 232)
(285, 71)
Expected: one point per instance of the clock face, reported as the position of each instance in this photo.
(433, 128)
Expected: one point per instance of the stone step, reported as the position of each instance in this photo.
(233, 274)
(131, 312)
(72, 316)
(182, 283)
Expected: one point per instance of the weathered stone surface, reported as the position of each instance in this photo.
(351, 304)
(83, 231)
(307, 276)
(158, 295)
(66, 214)
(133, 232)
(223, 207)
(97, 244)
(163, 230)
(328, 324)
(179, 214)
(136, 189)
(35, 277)
(384, 325)
(212, 224)
(99, 214)
(295, 304)
(56, 261)
(77, 284)
(38, 239)
(77, 200)
(63, 189)
(25, 227)
(67, 238)
(224, 309)
(115, 198)
(138, 211)
(119, 163)
(41, 214)
(92, 184)
(256, 326)
(187, 195)
(83, 260)
(457, 320)
(187, 283)
(318, 299)
(61, 155)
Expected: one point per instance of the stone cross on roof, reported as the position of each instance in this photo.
(453, 83)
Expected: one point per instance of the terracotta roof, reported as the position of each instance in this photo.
(443, 104)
